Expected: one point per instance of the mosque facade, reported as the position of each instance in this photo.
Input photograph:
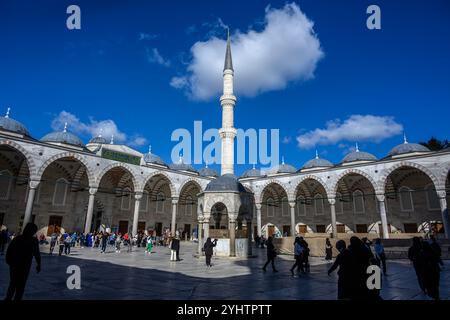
(58, 182)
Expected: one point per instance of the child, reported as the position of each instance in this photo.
(118, 242)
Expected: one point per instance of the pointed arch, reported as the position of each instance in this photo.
(32, 168)
(260, 193)
(354, 171)
(117, 165)
(173, 190)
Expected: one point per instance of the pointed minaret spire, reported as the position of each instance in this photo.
(405, 141)
(228, 61)
(357, 148)
(282, 160)
(65, 127)
(254, 166)
(150, 149)
(112, 139)
(317, 154)
(7, 112)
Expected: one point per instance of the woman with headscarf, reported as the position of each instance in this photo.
(19, 257)
(328, 250)
(208, 249)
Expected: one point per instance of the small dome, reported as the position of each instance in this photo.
(8, 124)
(227, 182)
(283, 168)
(153, 158)
(181, 166)
(317, 163)
(359, 156)
(407, 147)
(208, 172)
(63, 137)
(252, 173)
(98, 140)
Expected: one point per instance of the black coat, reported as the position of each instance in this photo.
(208, 248)
(21, 251)
(175, 245)
(271, 252)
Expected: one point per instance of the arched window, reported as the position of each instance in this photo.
(126, 199)
(144, 202)
(358, 202)
(284, 207)
(432, 198)
(406, 199)
(60, 193)
(5, 184)
(270, 207)
(189, 206)
(160, 200)
(301, 206)
(318, 204)
(339, 203)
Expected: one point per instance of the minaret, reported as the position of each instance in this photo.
(227, 101)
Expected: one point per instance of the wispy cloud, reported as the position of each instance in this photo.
(146, 36)
(356, 128)
(285, 50)
(153, 56)
(286, 140)
(93, 128)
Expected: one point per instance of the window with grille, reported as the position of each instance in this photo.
(358, 201)
(301, 206)
(160, 200)
(406, 199)
(189, 206)
(60, 193)
(318, 204)
(126, 199)
(270, 204)
(284, 207)
(144, 202)
(432, 198)
(339, 203)
(5, 184)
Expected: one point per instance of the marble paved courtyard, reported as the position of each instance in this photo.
(137, 275)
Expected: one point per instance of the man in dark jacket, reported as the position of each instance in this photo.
(344, 262)
(271, 254)
(176, 247)
(19, 257)
(208, 249)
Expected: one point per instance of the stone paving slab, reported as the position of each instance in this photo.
(138, 276)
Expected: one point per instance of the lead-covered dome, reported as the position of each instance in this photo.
(227, 182)
(11, 125)
(358, 156)
(317, 163)
(153, 158)
(64, 137)
(252, 173)
(282, 168)
(208, 172)
(181, 166)
(98, 140)
(407, 147)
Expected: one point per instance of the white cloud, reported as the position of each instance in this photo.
(146, 36)
(94, 127)
(356, 128)
(153, 56)
(286, 50)
(286, 140)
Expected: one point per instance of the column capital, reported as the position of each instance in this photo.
(258, 206)
(332, 201)
(138, 196)
(381, 197)
(34, 184)
(93, 191)
(174, 200)
(442, 194)
(292, 203)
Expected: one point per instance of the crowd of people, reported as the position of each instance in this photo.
(352, 261)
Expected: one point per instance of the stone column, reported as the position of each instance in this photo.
(137, 205)
(292, 205)
(384, 223)
(206, 227)
(174, 216)
(232, 228)
(444, 211)
(33, 185)
(200, 235)
(90, 210)
(332, 202)
(258, 218)
(249, 237)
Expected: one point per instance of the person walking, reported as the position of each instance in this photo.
(149, 247)
(298, 252)
(19, 257)
(60, 243)
(328, 250)
(53, 239)
(343, 262)
(175, 246)
(305, 255)
(67, 244)
(118, 242)
(360, 261)
(208, 248)
(173, 252)
(271, 254)
(104, 240)
(415, 255)
(437, 249)
(380, 256)
(431, 270)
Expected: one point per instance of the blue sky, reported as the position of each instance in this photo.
(118, 71)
